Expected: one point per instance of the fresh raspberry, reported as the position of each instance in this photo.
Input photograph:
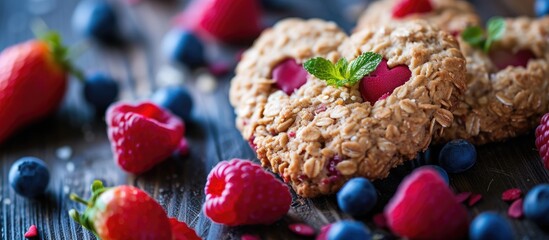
(422, 202)
(181, 231)
(142, 135)
(407, 7)
(381, 82)
(542, 139)
(239, 192)
(230, 21)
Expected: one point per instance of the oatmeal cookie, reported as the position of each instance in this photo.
(449, 15)
(508, 89)
(316, 136)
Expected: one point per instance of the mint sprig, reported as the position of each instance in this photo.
(477, 37)
(343, 73)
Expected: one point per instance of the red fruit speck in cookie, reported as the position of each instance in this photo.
(516, 209)
(289, 75)
(251, 143)
(240, 192)
(503, 58)
(422, 202)
(320, 108)
(474, 199)
(383, 81)
(32, 232)
(462, 197)
(511, 194)
(302, 229)
(407, 7)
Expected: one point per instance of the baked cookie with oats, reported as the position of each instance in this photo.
(508, 81)
(449, 15)
(337, 119)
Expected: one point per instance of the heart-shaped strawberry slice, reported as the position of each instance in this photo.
(289, 75)
(425, 208)
(381, 82)
(407, 7)
(504, 58)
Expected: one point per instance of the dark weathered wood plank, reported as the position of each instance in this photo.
(178, 183)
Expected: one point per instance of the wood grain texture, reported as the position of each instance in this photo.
(178, 183)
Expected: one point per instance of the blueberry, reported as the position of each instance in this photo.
(490, 225)
(457, 156)
(541, 7)
(97, 19)
(357, 197)
(275, 5)
(182, 46)
(536, 204)
(176, 99)
(29, 177)
(100, 90)
(349, 230)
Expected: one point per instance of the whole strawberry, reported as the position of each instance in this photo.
(404, 8)
(542, 139)
(142, 135)
(33, 80)
(230, 21)
(122, 212)
(239, 192)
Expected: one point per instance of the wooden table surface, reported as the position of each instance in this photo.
(75, 145)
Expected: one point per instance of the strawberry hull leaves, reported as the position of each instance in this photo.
(343, 73)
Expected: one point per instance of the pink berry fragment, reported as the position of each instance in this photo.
(32, 232)
(516, 210)
(475, 198)
(462, 197)
(511, 195)
(380, 221)
(250, 237)
(183, 147)
(302, 229)
(323, 235)
(219, 68)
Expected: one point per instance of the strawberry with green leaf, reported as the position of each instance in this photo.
(122, 212)
(376, 79)
(33, 80)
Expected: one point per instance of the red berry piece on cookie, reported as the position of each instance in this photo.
(504, 58)
(240, 192)
(380, 83)
(408, 7)
(142, 135)
(424, 200)
(289, 76)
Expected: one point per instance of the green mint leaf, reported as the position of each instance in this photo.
(363, 65)
(323, 69)
(343, 73)
(496, 29)
(342, 65)
(474, 36)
